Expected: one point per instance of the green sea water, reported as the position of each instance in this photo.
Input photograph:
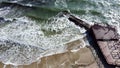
(44, 9)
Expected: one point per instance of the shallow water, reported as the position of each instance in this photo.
(33, 29)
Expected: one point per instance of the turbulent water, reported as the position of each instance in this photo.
(31, 29)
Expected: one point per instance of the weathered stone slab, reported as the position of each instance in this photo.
(107, 40)
(104, 32)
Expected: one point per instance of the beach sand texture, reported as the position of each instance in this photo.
(83, 58)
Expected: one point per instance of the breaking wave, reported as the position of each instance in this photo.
(24, 41)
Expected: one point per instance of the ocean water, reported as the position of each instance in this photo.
(31, 29)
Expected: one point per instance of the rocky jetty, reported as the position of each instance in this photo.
(105, 37)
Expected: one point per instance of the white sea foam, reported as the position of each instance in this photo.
(4, 11)
(61, 4)
(109, 13)
(25, 41)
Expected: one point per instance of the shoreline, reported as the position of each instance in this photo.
(81, 58)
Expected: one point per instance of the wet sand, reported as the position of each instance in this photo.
(83, 58)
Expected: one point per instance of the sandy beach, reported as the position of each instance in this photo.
(83, 58)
